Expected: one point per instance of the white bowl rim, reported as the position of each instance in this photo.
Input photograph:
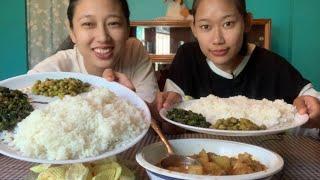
(258, 175)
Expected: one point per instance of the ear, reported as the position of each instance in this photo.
(193, 28)
(72, 35)
(128, 34)
(248, 22)
(129, 30)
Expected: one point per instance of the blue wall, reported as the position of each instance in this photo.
(306, 39)
(281, 22)
(13, 46)
(149, 9)
(295, 31)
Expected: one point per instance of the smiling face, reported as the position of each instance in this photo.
(219, 28)
(99, 31)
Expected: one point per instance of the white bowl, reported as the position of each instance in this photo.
(152, 154)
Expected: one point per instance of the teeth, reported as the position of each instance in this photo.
(102, 50)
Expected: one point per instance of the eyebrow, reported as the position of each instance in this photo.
(89, 16)
(85, 16)
(229, 15)
(224, 17)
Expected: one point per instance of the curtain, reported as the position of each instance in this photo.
(47, 28)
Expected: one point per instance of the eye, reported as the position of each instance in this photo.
(114, 24)
(228, 24)
(204, 27)
(88, 24)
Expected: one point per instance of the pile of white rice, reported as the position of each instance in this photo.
(79, 127)
(273, 114)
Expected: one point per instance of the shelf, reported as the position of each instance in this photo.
(152, 23)
(156, 58)
(265, 24)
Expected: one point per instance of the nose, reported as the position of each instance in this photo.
(102, 34)
(217, 36)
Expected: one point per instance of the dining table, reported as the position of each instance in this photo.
(301, 155)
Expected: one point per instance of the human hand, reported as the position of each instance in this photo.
(167, 99)
(121, 78)
(311, 106)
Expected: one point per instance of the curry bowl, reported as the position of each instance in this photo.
(150, 156)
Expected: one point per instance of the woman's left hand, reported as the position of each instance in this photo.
(311, 106)
(121, 78)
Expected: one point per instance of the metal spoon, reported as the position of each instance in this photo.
(39, 102)
(172, 159)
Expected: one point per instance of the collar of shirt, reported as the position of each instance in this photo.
(237, 71)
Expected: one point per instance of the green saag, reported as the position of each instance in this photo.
(14, 107)
(188, 117)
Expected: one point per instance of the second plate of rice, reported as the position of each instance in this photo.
(277, 115)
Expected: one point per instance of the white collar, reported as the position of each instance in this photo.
(238, 69)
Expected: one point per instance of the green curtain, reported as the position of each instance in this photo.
(47, 28)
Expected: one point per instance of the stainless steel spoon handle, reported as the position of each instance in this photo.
(163, 138)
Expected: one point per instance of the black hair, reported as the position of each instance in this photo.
(242, 8)
(73, 4)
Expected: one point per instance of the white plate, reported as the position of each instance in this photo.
(298, 121)
(24, 81)
(154, 153)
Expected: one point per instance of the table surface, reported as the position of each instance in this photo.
(301, 155)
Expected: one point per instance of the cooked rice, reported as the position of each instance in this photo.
(79, 126)
(270, 113)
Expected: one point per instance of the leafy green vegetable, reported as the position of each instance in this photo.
(188, 118)
(14, 107)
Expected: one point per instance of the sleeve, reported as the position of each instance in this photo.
(290, 81)
(171, 86)
(144, 78)
(309, 90)
(280, 78)
(56, 62)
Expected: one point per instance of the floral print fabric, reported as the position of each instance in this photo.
(47, 28)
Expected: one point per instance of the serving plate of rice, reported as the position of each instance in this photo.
(277, 115)
(103, 122)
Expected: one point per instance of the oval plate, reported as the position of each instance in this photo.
(26, 81)
(298, 121)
